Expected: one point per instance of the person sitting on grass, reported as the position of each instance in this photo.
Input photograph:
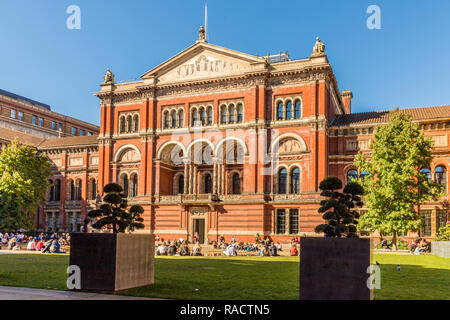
(39, 245)
(172, 249)
(55, 247)
(265, 252)
(12, 243)
(385, 243)
(31, 244)
(230, 251)
(273, 250)
(294, 251)
(162, 249)
(184, 251)
(197, 250)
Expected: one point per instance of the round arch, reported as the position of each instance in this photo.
(168, 143)
(276, 142)
(238, 140)
(123, 148)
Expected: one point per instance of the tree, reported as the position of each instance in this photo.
(338, 207)
(443, 233)
(396, 184)
(113, 211)
(24, 174)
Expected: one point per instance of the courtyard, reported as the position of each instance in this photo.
(244, 278)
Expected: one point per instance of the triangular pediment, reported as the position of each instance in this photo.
(202, 61)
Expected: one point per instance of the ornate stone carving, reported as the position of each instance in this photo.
(94, 160)
(109, 77)
(129, 155)
(440, 141)
(290, 146)
(202, 34)
(357, 145)
(319, 48)
(75, 161)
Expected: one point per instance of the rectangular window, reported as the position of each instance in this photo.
(70, 222)
(34, 120)
(13, 114)
(441, 219)
(425, 230)
(81, 132)
(293, 221)
(53, 125)
(20, 115)
(281, 221)
(74, 131)
(89, 133)
(78, 222)
(56, 222)
(49, 222)
(41, 122)
(60, 127)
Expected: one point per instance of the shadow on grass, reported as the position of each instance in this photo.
(413, 282)
(223, 278)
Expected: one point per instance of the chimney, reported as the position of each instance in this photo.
(347, 96)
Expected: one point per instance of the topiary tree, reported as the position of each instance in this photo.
(338, 207)
(113, 211)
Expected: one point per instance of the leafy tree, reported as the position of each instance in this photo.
(113, 211)
(443, 233)
(338, 207)
(396, 184)
(24, 174)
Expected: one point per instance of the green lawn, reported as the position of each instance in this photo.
(421, 277)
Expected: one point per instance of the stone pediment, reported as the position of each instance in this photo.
(202, 61)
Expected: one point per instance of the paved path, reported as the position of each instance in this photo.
(13, 293)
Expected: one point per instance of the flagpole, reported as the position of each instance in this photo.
(206, 21)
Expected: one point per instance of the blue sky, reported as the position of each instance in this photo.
(404, 64)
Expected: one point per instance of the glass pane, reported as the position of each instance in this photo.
(289, 111)
(282, 181)
(281, 221)
(352, 174)
(293, 221)
(298, 110)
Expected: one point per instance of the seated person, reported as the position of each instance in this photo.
(12, 243)
(279, 247)
(55, 247)
(31, 244)
(384, 243)
(197, 250)
(273, 250)
(39, 245)
(172, 249)
(265, 252)
(162, 249)
(184, 251)
(294, 251)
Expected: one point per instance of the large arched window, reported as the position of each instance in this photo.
(210, 116)
(180, 184)
(136, 123)
(57, 190)
(282, 181)
(298, 110)
(180, 118)
(352, 174)
(202, 116)
(134, 186)
(72, 190)
(194, 117)
(51, 191)
(129, 124)
(440, 176)
(166, 120)
(78, 190)
(236, 184)
(232, 114)
(295, 181)
(208, 183)
(122, 125)
(223, 114)
(125, 185)
(289, 110)
(93, 187)
(240, 113)
(280, 111)
(173, 119)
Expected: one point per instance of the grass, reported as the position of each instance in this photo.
(421, 277)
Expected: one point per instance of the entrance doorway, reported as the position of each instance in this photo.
(199, 227)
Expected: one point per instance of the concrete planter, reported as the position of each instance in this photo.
(334, 268)
(113, 262)
(441, 248)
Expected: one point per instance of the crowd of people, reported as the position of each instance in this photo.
(43, 242)
(261, 247)
(419, 245)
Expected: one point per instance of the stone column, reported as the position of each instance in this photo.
(214, 177)
(190, 178)
(287, 220)
(223, 178)
(186, 184)
(195, 191)
(288, 183)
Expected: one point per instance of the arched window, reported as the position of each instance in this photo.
(122, 125)
(208, 183)
(440, 176)
(210, 116)
(289, 110)
(51, 191)
(280, 111)
(352, 174)
(223, 114)
(295, 181)
(202, 116)
(57, 190)
(173, 119)
(236, 181)
(166, 120)
(298, 110)
(363, 174)
(180, 119)
(125, 185)
(129, 124)
(72, 190)
(93, 189)
(136, 123)
(78, 190)
(134, 186)
(427, 173)
(232, 113)
(194, 117)
(282, 181)
(181, 184)
(240, 113)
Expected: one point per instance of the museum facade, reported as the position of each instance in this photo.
(218, 142)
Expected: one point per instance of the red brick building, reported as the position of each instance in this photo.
(220, 142)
